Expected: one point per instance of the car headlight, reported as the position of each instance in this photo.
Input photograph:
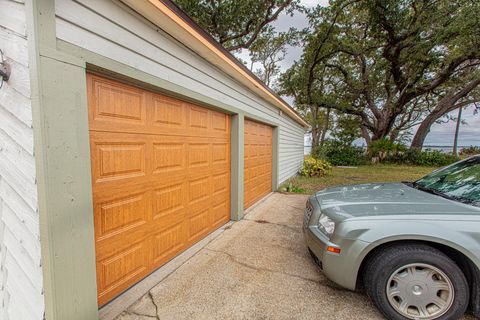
(326, 224)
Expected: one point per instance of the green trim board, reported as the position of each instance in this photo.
(236, 166)
(63, 170)
(67, 190)
(275, 158)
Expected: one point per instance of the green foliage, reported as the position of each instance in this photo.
(268, 51)
(339, 154)
(315, 167)
(388, 151)
(294, 82)
(346, 130)
(378, 60)
(470, 151)
(385, 148)
(292, 186)
(382, 151)
(236, 24)
(435, 158)
(428, 158)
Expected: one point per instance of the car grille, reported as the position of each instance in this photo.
(307, 214)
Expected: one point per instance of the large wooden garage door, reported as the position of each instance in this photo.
(257, 162)
(161, 179)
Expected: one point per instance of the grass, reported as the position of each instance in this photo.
(361, 174)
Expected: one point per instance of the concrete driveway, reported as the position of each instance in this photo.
(257, 269)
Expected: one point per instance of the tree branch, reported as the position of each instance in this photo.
(269, 17)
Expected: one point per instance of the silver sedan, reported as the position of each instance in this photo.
(413, 247)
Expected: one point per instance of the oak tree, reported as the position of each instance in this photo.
(236, 24)
(384, 55)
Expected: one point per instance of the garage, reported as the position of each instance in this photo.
(130, 139)
(257, 161)
(160, 176)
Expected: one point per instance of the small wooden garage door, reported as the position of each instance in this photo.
(257, 161)
(160, 175)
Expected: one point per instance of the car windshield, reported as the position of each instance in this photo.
(460, 181)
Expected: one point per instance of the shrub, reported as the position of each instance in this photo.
(385, 148)
(430, 158)
(293, 187)
(435, 158)
(470, 151)
(315, 167)
(339, 154)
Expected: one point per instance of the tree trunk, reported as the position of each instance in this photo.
(444, 106)
(394, 134)
(325, 127)
(423, 130)
(315, 138)
(366, 135)
(457, 129)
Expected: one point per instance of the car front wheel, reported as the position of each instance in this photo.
(416, 281)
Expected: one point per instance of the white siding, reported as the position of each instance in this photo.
(21, 285)
(110, 29)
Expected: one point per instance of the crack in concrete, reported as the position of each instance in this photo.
(143, 315)
(295, 228)
(246, 265)
(136, 313)
(154, 303)
(295, 207)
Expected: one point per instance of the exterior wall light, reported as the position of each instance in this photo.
(4, 69)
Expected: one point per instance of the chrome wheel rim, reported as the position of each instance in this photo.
(420, 291)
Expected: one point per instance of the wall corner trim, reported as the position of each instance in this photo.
(62, 157)
(237, 150)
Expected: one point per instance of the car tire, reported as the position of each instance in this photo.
(394, 271)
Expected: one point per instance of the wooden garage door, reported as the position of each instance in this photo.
(257, 162)
(160, 175)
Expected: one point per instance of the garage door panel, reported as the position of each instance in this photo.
(168, 156)
(168, 242)
(218, 210)
(220, 154)
(198, 224)
(198, 190)
(123, 267)
(117, 107)
(116, 103)
(167, 113)
(198, 118)
(257, 161)
(119, 215)
(199, 155)
(220, 122)
(118, 160)
(168, 199)
(220, 182)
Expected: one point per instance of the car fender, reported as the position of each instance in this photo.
(385, 231)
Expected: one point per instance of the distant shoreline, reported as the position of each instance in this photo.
(307, 149)
(440, 146)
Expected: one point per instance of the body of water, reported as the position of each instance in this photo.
(307, 149)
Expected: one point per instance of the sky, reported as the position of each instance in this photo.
(440, 134)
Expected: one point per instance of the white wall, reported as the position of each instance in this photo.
(21, 284)
(110, 29)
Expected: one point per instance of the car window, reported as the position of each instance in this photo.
(460, 181)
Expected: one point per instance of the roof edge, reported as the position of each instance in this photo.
(197, 39)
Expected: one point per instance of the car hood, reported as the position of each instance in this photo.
(387, 199)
